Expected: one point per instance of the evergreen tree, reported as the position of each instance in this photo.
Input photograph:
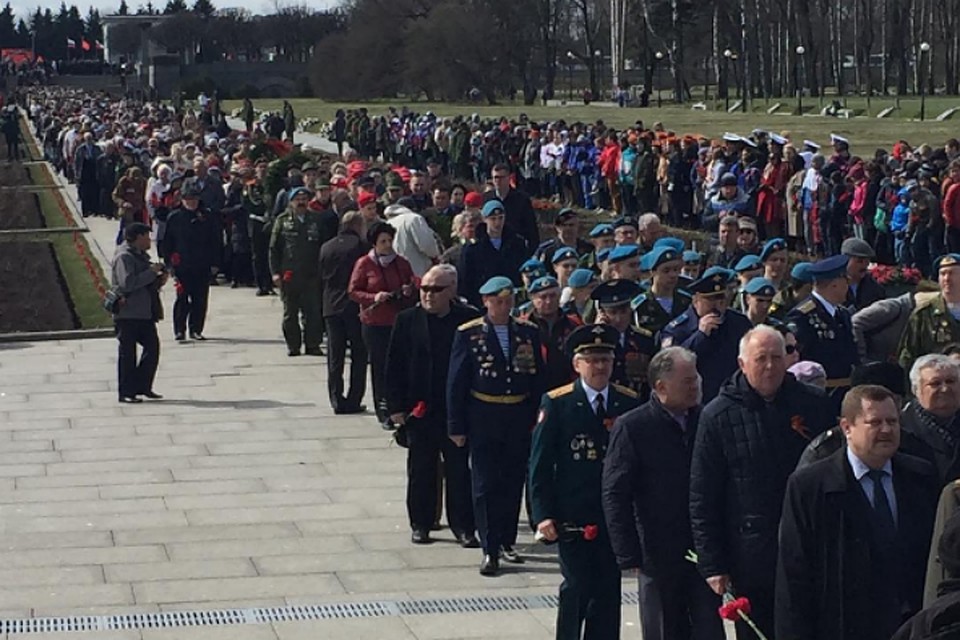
(94, 27)
(8, 32)
(175, 6)
(204, 8)
(24, 35)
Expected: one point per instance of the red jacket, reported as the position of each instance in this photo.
(951, 206)
(610, 160)
(369, 278)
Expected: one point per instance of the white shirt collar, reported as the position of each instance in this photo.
(593, 393)
(831, 308)
(861, 469)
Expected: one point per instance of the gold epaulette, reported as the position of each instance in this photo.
(807, 306)
(476, 322)
(646, 333)
(627, 391)
(560, 391)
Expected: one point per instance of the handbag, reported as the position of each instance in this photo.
(113, 301)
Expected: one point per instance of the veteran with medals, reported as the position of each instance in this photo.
(935, 322)
(493, 389)
(566, 469)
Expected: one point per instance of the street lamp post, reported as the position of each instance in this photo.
(726, 72)
(659, 57)
(921, 76)
(798, 66)
(570, 59)
(598, 65)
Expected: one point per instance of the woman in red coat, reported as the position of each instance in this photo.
(771, 198)
(383, 284)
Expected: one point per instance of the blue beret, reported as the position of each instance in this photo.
(542, 284)
(604, 254)
(761, 287)
(592, 337)
(771, 245)
(748, 262)
(946, 260)
(563, 253)
(828, 268)
(674, 243)
(490, 207)
(656, 257)
(497, 286)
(293, 193)
(801, 272)
(624, 252)
(532, 265)
(615, 292)
(691, 257)
(713, 281)
(602, 229)
(581, 278)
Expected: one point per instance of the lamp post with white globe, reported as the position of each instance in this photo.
(659, 56)
(727, 54)
(922, 78)
(797, 70)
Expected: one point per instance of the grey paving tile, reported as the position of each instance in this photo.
(167, 591)
(66, 596)
(65, 557)
(332, 544)
(168, 535)
(78, 635)
(518, 624)
(165, 489)
(96, 479)
(54, 540)
(97, 522)
(247, 500)
(328, 563)
(150, 571)
(325, 512)
(50, 576)
(369, 628)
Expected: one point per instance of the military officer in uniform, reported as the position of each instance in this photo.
(601, 237)
(259, 226)
(692, 263)
(567, 225)
(295, 265)
(747, 268)
(566, 464)
(636, 345)
(554, 326)
(824, 326)
(710, 329)
(654, 309)
(578, 301)
(623, 262)
(935, 323)
(493, 390)
(758, 296)
(774, 257)
(529, 271)
(799, 288)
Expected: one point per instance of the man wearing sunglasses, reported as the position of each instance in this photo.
(417, 361)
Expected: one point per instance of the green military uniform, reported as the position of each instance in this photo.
(930, 328)
(632, 359)
(649, 315)
(295, 256)
(566, 465)
(784, 302)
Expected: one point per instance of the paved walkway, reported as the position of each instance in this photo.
(239, 489)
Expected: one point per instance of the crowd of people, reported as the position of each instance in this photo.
(748, 416)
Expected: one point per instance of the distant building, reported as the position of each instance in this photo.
(148, 49)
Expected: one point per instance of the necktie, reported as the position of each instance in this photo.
(601, 409)
(881, 506)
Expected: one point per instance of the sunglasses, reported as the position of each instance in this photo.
(433, 288)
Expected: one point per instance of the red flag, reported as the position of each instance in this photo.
(84, 44)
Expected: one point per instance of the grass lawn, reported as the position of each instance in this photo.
(865, 133)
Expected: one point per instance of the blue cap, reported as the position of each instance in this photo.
(613, 293)
(532, 265)
(497, 286)
(563, 253)
(674, 243)
(748, 262)
(761, 287)
(626, 221)
(713, 281)
(624, 252)
(293, 193)
(656, 257)
(946, 260)
(490, 206)
(829, 268)
(604, 254)
(691, 257)
(771, 245)
(542, 284)
(801, 272)
(581, 278)
(601, 230)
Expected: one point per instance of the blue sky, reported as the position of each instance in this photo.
(24, 8)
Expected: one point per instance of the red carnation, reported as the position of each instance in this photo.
(590, 532)
(287, 275)
(731, 609)
(175, 259)
(419, 409)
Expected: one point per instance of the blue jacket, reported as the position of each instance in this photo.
(901, 213)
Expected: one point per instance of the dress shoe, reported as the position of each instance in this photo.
(179, 337)
(349, 411)
(262, 293)
(315, 352)
(130, 400)
(235, 285)
(490, 566)
(420, 536)
(152, 395)
(272, 292)
(468, 541)
(510, 555)
(197, 336)
(293, 353)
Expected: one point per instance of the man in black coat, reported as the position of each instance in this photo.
(931, 421)
(749, 440)
(418, 360)
(856, 531)
(496, 251)
(864, 290)
(342, 315)
(521, 218)
(646, 491)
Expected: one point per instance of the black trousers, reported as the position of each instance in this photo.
(135, 377)
(261, 259)
(377, 340)
(428, 441)
(497, 472)
(191, 304)
(343, 330)
(678, 605)
(590, 592)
